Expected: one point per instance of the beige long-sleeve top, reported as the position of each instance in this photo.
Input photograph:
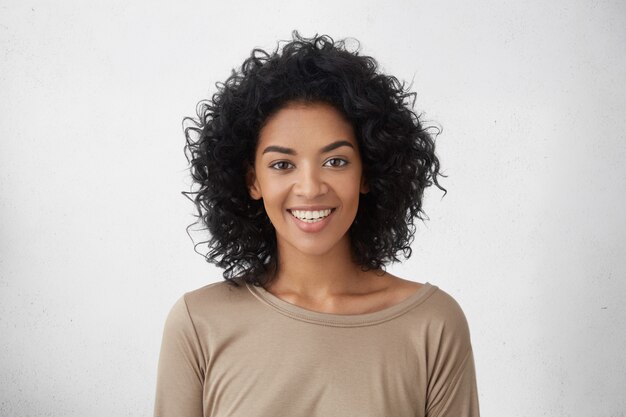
(243, 352)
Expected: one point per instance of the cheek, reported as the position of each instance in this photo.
(274, 194)
(349, 186)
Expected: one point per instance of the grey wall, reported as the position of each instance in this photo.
(529, 238)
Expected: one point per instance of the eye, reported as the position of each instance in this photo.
(280, 165)
(342, 162)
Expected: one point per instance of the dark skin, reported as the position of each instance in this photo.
(295, 168)
(379, 292)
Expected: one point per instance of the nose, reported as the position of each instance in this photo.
(310, 183)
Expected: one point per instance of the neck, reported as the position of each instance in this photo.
(314, 276)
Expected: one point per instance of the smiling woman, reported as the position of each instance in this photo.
(311, 167)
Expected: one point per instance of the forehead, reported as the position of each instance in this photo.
(302, 124)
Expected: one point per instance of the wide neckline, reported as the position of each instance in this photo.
(342, 320)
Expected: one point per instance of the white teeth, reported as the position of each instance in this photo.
(310, 216)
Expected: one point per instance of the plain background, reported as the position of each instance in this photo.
(529, 239)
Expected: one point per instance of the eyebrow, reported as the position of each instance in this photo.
(325, 149)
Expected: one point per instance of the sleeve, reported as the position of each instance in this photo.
(452, 390)
(180, 373)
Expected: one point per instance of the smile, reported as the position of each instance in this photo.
(311, 216)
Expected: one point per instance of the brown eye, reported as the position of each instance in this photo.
(280, 165)
(339, 162)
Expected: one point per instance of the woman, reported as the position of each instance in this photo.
(311, 168)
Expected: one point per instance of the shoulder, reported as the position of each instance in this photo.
(437, 309)
(442, 307)
(207, 310)
(213, 297)
(445, 307)
(210, 296)
(446, 319)
(213, 292)
(213, 307)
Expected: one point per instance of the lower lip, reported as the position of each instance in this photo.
(312, 227)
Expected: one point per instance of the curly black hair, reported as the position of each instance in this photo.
(398, 153)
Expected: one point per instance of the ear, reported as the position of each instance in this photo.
(253, 184)
(364, 186)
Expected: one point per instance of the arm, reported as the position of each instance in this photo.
(181, 366)
(452, 390)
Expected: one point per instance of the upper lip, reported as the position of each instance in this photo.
(310, 208)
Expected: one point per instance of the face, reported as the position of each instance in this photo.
(308, 172)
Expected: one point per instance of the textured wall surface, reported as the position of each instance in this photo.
(529, 239)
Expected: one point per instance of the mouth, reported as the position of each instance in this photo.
(311, 216)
